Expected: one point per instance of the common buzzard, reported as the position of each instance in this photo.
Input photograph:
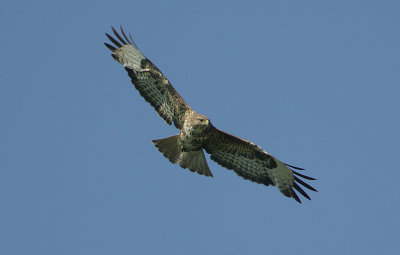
(196, 131)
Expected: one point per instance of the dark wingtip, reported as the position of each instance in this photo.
(295, 167)
(114, 57)
(118, 44)
(294, 195)
(123, 33)
(125, 40)
(118, 36)
(304, 184)
(110, 47)
(301, 191)
(304, 176)
(130, 36)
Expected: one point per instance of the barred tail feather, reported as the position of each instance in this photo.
(169, 147)
(195, 161)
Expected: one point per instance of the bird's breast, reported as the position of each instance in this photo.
(191, 140)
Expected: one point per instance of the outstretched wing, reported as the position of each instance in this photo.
(252, 163)
(148, 79)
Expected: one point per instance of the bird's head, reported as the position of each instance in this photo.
(201, 122)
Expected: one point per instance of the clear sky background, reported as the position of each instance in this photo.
(315, 83)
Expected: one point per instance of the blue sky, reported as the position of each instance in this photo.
(315, 83)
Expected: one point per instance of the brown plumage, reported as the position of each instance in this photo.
(196, 131)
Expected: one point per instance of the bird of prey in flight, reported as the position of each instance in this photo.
(197, 133)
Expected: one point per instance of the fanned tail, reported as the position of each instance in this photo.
(195, 161)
